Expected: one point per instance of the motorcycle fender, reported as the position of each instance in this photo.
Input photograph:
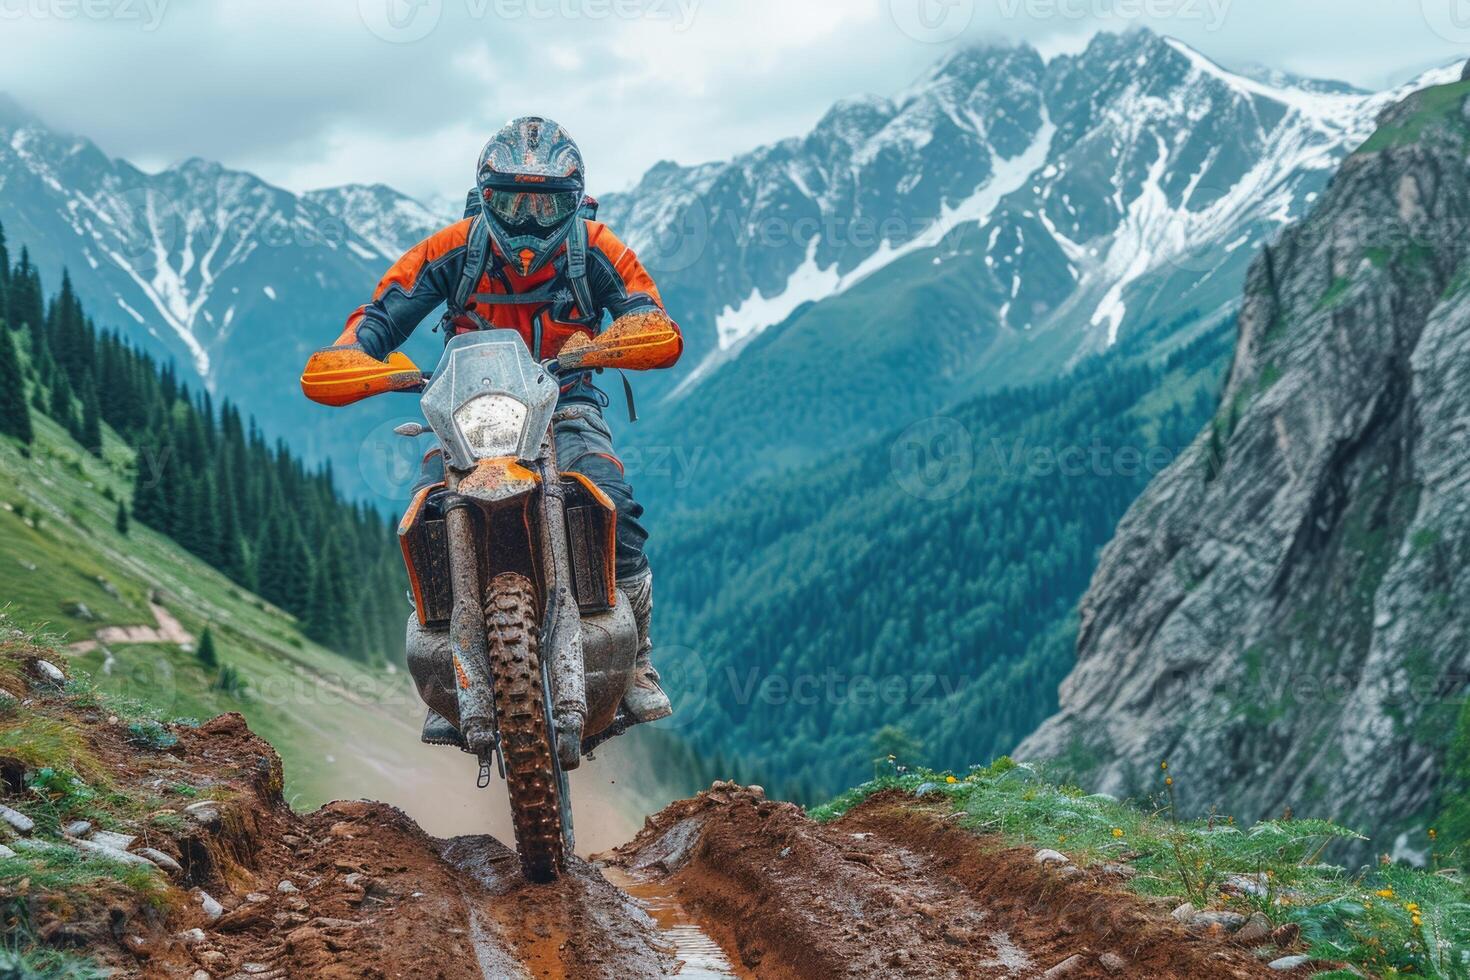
(495, 481)
(411, 540)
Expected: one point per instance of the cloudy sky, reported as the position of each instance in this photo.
(309, 94)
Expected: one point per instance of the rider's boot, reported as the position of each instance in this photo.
(645, 700)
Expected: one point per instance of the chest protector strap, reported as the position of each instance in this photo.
(477, 257)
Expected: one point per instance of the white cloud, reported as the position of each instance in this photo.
(307, 94)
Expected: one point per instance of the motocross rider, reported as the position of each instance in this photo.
(530, 185)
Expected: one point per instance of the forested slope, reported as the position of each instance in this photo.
(924, 581)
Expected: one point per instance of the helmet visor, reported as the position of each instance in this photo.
(524, 208)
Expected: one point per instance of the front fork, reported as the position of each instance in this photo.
(563, 664)
(474, 686)
(561, 648)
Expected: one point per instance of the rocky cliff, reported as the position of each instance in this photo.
(1282, 614)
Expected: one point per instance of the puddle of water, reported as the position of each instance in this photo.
(490, 948)
(703, 958)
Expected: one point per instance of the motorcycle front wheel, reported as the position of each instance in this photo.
(525, 731)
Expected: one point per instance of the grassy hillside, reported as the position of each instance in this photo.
(343, 729)
(1382, 920)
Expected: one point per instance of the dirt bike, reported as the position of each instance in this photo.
(512, 561)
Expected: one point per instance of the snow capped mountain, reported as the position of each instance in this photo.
(210, 267)
(1000, 218)
(387, 220)
(1087, 182)
(190, 256)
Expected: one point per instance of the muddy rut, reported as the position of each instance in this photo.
(727, 884)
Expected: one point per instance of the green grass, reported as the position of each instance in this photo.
(59, 546)
(1335, 293)
(1433, 106)
(46, 964)
(1386, 920)
(66, 871)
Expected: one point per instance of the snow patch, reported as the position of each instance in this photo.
(130, 311)
(736, 325)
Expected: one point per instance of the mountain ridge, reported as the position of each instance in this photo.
(1277, 612)
(887, 203)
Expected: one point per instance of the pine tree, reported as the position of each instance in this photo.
(4, 275)
(60, 407)
(326, 616)
(91, 425)
(204, 476)
(26, 306)
(206, 652)
(15, 415)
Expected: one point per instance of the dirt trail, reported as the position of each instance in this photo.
(168, 631)
(893, 889)
(728, 884)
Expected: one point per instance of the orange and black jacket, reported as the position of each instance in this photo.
(430, 272)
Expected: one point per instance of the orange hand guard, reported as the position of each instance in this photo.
(340, 376)
(636, 342)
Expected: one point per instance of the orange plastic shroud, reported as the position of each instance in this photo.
(340, 376)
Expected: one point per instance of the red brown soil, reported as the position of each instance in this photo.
(358, 890)
(893, 889)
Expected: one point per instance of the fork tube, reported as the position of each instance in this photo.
(467, 633)
(568, 671)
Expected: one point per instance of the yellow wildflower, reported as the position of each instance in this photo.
(1117, 832)
(1164, 766)
(1168, 780)
(950, 779)
(1384, 893)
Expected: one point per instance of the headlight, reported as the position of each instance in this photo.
(491, 424)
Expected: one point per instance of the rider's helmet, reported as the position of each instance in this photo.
(531, 180)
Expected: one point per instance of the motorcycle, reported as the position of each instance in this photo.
(520, 637)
